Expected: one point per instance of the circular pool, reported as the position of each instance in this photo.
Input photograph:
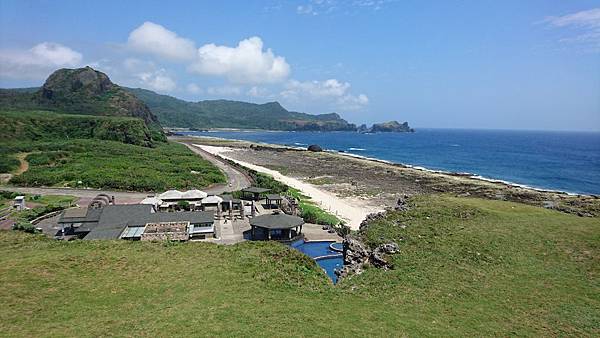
(337, 246)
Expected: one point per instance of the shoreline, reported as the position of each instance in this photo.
(350, 211)
(466, 175)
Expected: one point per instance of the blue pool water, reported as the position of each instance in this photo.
(566, 161)
(320, 251)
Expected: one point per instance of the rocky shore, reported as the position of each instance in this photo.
(377, 184)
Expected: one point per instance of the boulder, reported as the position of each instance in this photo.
(315, 148)
(402, 203)
(357, 255)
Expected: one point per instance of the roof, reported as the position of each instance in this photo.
(276, 221)
(114, 218)
(194, 194)
(212, 200)
(171, 195)
(79, 215)
(274, 197)
(110, 221)
(151, 201)
(194, 217)
(255, 190)
(230, 198)
(20, 198)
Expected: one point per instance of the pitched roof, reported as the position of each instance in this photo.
(151, 201)
(255, 190)
(171, 195)
(194, 194)
(274, 197)
(276, 221)
(212, 200)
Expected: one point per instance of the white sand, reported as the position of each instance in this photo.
(351, 211)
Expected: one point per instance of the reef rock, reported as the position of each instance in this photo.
(315, 148)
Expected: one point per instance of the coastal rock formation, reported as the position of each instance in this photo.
(315, 148)
(391, 126)
(357, 255)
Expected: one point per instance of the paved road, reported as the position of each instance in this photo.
(236, 181)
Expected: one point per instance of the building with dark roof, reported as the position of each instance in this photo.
(127, 221)
(277, 226)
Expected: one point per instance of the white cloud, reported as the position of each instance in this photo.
(317, 7)
(589, 18)
(224, 90)
(193, 88)
(158, 81)
(255, 91)
(38, 61)
(245, 63)
(585, 24)
(147, 75)
(156, 39)
(331, 90)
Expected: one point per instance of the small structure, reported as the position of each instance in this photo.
(153, 201)
(19, 203)
(273, 200)
(277, 226)
(254, 193)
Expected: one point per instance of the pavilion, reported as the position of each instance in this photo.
(277, 226)
(273, 199)
(253, 193)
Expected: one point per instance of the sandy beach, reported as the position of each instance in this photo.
(355, 186)
(351, 210)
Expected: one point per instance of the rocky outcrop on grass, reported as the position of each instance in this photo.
(357, 255)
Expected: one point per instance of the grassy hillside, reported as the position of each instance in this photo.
(81, 91)
(173, 112)
(40, 125)
(111, 165)
(467, 267)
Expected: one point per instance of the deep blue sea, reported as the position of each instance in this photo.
(565, 161)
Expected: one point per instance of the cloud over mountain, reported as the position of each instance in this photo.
(38, 61)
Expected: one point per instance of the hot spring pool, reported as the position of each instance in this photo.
(322, 253)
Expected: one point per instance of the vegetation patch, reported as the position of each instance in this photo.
(112, 165)
(43, 125)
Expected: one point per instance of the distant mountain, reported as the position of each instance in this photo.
(174, 112)
(82, 91)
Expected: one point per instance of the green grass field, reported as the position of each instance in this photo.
(112, 165)
(467, 267)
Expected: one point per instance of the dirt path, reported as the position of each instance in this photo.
(24, 165)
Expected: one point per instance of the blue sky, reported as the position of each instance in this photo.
(448, 64)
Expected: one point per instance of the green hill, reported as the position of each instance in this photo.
(466, 268)
(173, 112)
(82, 91)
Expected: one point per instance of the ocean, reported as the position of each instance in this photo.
(563, 161)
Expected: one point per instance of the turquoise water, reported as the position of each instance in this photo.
(321, 252)
(565, 161)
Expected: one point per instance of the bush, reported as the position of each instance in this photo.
(25, 227)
